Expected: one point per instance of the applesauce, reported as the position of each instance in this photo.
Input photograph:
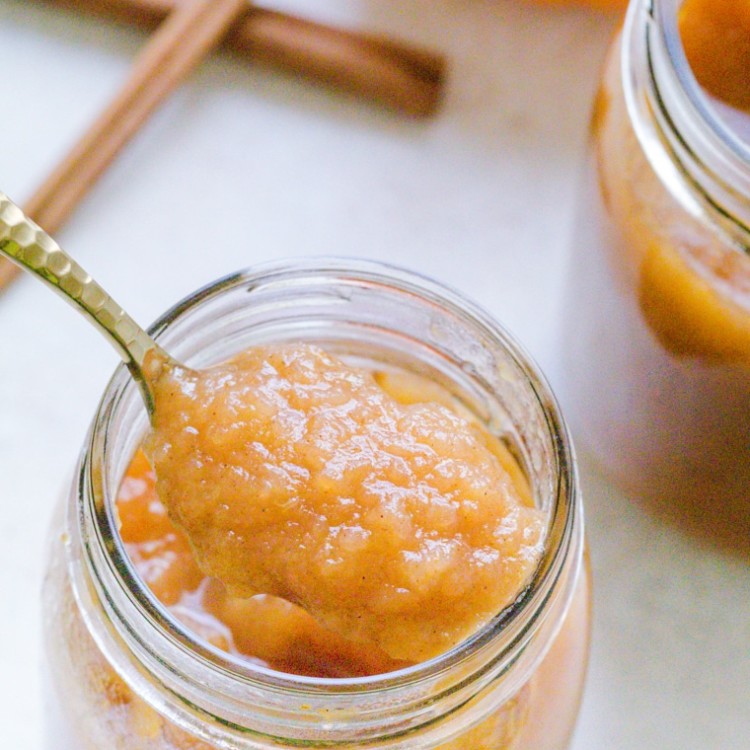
(146, 652)
(295, 474)
(657, 345)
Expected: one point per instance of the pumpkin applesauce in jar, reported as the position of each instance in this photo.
(360, 529)
(657, 351)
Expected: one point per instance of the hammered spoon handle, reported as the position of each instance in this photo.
(29, 246)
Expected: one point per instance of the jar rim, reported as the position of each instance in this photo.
(513, 626)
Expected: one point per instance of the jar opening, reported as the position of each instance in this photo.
(673, 114)
(717, 116)
(365, 310)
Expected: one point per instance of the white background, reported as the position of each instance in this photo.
(243, 165)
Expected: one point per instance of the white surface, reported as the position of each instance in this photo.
(243, 165)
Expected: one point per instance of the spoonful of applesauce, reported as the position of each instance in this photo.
(393, 521)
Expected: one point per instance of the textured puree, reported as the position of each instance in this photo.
(263, 629)
(394, 523)
(716, 37)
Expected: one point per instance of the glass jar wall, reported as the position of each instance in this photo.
(129, 674)
(657, 343)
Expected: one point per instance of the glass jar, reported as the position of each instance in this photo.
(127, 675)
(656, 371)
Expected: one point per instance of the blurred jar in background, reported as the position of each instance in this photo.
(657, 352)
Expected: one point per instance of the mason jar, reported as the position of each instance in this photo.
(127, 674)
(656, 350)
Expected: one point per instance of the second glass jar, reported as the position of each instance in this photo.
(657, 349)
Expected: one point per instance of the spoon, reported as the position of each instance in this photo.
(30, 247)
(296, 475)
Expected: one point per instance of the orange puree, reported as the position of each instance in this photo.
(689, 301)
(265, 629)
(393, 523)
(598, 4)
(716, 38)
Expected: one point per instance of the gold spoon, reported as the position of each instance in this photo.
(30, 247)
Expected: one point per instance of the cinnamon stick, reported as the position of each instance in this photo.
(180, 43)
(399, 76)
